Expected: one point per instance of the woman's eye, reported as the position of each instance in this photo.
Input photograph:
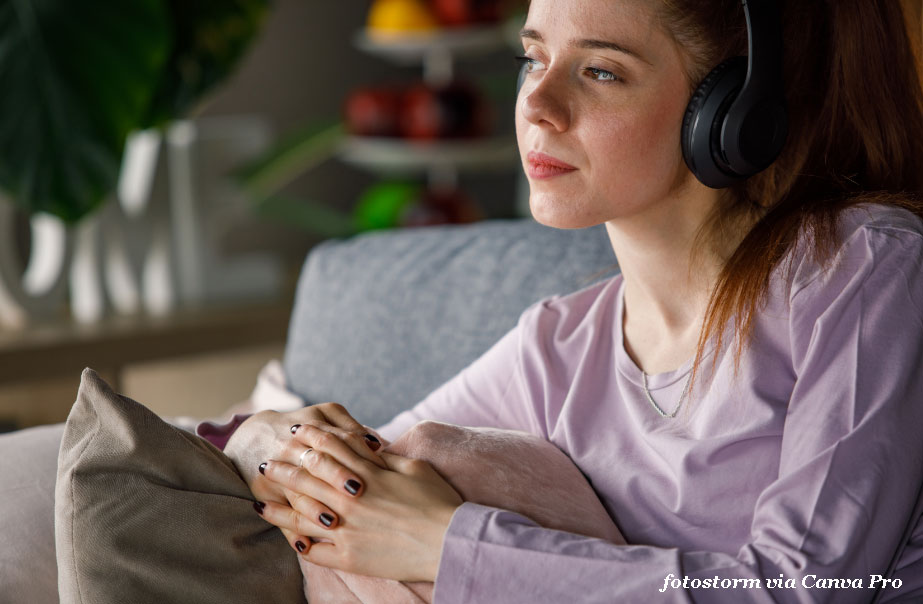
(529, 63)
(602, 75)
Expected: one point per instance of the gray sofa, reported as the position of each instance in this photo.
(379, 321)
(383, 319)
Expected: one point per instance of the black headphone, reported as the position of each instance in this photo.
(736, 123)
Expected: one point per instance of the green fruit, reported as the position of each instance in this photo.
(382, 204)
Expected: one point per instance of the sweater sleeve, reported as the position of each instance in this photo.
(848, 491)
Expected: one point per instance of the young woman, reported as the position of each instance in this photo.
(746, 398)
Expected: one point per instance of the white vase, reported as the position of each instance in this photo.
(85, 275)
(31, 287)
(146, 220)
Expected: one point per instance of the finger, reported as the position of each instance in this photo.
(337, 415)
(265, 489)
(361, 445)
(318, 464)
(381, 439)
(293, 479)
(371, 440)
(331, 459)
(325, 467)
(299, 543)
(312, 508)
(294, 525)
(323, 554)
(405, 465)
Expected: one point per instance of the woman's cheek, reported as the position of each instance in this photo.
(657, 157)
(628, 153)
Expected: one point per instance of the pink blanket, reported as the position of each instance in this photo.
(499, 468)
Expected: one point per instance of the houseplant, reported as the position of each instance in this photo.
(78, 77)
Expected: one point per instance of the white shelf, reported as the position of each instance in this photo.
(391, 155)
(436, 51)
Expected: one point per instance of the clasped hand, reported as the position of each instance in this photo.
(341, 502)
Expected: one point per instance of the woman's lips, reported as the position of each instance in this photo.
(543, 166)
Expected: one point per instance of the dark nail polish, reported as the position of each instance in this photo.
(352, 486)
(259, 506)
(295, 428)
(263, 468)
(300, 547)
(326, 519)
(374, 443)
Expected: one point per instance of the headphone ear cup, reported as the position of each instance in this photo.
(703, 120)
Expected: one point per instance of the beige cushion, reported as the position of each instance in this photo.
(145, 512)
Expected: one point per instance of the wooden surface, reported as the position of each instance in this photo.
(65, 348)
(172, 363)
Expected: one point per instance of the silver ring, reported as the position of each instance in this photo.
(301, 458)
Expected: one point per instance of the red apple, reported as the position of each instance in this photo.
(456, 13)
(453, 111)
(373, 111)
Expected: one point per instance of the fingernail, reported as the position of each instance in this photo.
(374, 443)
(352, 486)
(326, 519)
(295, 428)
(259, 506)
(300, 547)
(263, 468)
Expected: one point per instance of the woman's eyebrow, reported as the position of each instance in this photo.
(531, 34)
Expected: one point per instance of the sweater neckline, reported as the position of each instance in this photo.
(626, 365)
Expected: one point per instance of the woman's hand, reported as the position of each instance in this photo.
(392, 527)
(268, 435)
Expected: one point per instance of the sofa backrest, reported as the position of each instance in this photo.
(382, 319)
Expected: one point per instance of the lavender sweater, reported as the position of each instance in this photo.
(797, 481)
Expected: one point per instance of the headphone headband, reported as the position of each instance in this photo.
(736, 124)
(764, 47)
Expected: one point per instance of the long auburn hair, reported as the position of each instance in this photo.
(855, 100)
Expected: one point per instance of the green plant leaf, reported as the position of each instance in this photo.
(285, 161)
(209, 38)
(314, 217)
(76, 77)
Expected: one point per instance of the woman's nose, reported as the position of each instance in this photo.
(544, 102)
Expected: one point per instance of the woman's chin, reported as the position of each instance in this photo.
(560, 217)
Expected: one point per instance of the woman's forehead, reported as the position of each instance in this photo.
(559, 21)
(631, 24)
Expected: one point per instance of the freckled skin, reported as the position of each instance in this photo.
(623, 136)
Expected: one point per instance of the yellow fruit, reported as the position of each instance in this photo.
(396, 16)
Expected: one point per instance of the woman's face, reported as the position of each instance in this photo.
(605, 95)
